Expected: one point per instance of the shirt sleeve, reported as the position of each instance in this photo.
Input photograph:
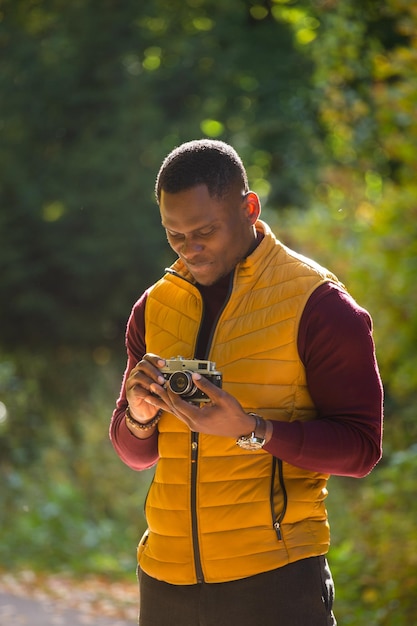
(336, 346)
(138, 454)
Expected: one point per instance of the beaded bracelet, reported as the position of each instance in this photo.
(138, 425)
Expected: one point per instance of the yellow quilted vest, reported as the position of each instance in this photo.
(216, 512)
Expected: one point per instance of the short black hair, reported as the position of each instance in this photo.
(202, 162)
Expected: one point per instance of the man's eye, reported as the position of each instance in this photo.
(206, 233)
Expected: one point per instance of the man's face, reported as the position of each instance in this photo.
(209, 235)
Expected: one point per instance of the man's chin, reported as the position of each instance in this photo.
(203, 275)
(210, 281)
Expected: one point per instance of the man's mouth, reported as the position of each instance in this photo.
(197, 265)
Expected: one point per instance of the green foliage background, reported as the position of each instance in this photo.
(319, 98)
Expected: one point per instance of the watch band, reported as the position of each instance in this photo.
(260, 428)
(256, 440)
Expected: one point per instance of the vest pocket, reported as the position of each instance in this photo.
(277, 469)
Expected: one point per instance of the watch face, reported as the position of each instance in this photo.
(250, 443)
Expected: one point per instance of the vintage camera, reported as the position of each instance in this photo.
(178, 374)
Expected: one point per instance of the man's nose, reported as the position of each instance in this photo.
(190, 247)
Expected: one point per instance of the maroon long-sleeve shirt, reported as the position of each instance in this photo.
(336, 347)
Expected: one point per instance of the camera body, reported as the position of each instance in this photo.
(178, 374)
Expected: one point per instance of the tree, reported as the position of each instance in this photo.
(363, 212)
(96, 95)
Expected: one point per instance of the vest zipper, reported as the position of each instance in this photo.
(194, 522)
(277, 520)
(194, 451)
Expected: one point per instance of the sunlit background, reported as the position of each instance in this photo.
(319, 98)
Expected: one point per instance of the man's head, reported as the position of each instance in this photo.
(206, 208)
(202, 162)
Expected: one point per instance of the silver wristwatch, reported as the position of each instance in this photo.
(256, 440)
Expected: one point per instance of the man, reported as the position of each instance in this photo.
(237, 527)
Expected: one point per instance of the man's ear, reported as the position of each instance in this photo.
(253, 206)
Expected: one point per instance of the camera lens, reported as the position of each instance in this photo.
(182, 384)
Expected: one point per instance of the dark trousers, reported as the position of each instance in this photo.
(299, 594)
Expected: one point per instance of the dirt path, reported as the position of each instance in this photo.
(18, 611)
(31, 599)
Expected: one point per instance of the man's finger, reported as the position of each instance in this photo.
(206, 385)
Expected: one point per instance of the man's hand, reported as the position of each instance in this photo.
(141, 404)
(222, 416)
